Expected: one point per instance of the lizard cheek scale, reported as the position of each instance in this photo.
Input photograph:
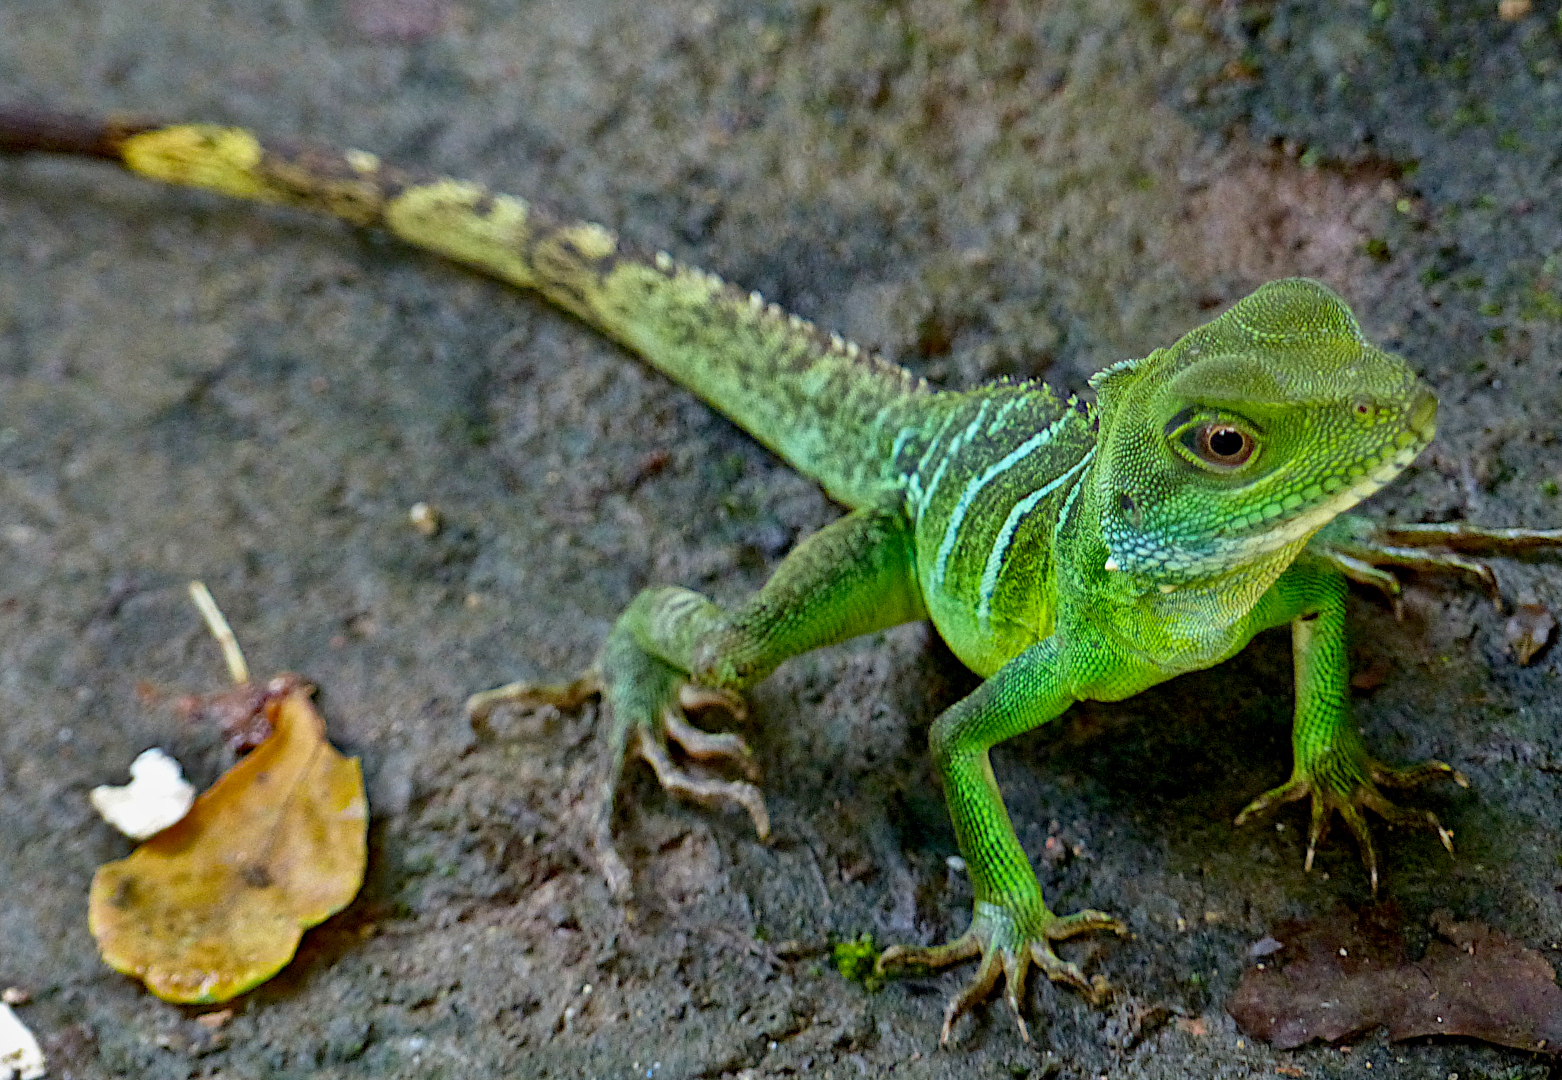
(1065, 550)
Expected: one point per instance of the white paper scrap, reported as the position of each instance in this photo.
(20, 1055)
(157, 796)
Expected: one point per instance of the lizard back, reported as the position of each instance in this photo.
(986, 487)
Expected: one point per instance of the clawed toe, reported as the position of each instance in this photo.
(723, 748)
(1414, 776)
(1008, 953)
(1088, 921)
(570, 695)
(705, 790)
(978, 990)
(695, 697)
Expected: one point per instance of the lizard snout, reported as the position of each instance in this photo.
(1422, 414)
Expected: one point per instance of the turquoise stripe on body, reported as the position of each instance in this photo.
(981, 480)
(1011, 524)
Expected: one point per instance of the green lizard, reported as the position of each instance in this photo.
(1064, 550)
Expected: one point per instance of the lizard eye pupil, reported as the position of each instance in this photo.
(1223, 444)
(1226, 442)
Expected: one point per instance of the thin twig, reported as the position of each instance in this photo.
(231, 653)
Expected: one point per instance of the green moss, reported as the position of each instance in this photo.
(855, 960)
(1542, 303)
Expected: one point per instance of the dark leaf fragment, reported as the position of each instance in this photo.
(1332, 980)
(1529, 629)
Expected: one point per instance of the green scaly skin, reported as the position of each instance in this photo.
(1065, 551)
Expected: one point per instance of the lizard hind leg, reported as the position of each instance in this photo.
(673, 652)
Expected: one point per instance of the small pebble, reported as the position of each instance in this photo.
(424, 518)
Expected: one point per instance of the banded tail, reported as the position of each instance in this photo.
(828, 408)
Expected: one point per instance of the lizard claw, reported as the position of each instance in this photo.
(644, 714)
(1007, 950)
(564, 696)
(1328, 797)
(705, 790)
(1359, 547)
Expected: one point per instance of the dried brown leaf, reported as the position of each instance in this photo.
(241, 712)
(1332, 981)
(1528, 631)
(216, 904)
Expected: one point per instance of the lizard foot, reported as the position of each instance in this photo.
(1007, 945)
(1351, 789)
(646, 702)
(1359, 547)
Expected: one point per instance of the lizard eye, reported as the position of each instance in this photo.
(1220, 443)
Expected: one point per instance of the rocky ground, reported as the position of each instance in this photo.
(194, 388)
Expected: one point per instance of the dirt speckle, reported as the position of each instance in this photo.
(1263, 216)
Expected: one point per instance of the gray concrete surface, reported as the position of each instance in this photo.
(191, 388)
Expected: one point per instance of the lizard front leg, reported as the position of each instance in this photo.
(672, 649)
(1331, 764)
(1011, 926)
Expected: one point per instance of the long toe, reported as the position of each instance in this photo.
(707, 791)
(570, 695)
(1358, 827)
(1068, 973)
(696, 698)
(1015, 967)
(961, 948)
(1290, 791)
(1399, 817)
(723, 748)
(1317, 832)
(978, 990)
(1088, 921)
(1414, 776)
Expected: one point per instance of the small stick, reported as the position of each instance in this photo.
(231, 653)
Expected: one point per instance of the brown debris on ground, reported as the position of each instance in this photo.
(216, 904)
(1333, 981)
(1529, 629)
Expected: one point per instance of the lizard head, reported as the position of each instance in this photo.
(1245, 437)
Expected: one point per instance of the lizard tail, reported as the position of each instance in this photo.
(833, 411)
